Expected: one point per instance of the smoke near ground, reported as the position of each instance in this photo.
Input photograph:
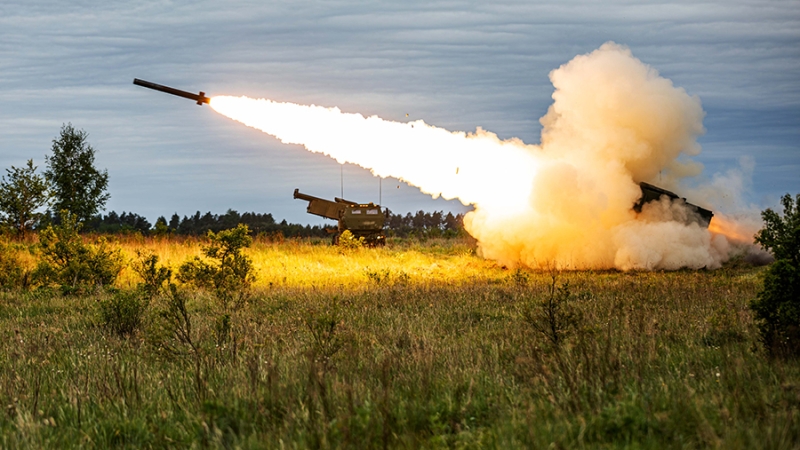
(565, 203)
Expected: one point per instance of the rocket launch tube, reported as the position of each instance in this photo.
(199, 98)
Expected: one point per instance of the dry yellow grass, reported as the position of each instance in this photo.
(315, 263)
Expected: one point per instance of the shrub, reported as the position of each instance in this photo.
(153, 276)
(12, 274)
(348, 240)
(67, 261)
(777, 307)
(231, 272)
(123, 312)
(554, 317)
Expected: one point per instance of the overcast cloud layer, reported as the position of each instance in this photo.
(457, 65)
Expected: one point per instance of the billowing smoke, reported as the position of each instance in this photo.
(565, 203)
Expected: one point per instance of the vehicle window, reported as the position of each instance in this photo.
(356, 211)
(372, 212)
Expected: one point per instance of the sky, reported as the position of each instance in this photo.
(456, 65)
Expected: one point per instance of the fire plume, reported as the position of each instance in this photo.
(566, 202)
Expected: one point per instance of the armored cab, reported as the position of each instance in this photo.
(363, 220)
(654, 193)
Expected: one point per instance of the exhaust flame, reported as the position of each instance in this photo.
(734, 231)
(441, 163)
(567, 202)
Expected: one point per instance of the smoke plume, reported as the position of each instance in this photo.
(564, 203)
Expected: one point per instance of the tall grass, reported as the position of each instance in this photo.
(415, 345)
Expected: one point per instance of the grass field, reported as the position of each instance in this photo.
(416, 345)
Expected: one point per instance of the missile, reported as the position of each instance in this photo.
(199, 98)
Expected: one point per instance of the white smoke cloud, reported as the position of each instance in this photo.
(567, 202)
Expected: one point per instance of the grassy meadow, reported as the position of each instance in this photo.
(415, 345)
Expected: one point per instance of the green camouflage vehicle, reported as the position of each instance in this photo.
(363, 220)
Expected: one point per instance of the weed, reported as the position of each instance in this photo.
(553, 316)
(324, 324)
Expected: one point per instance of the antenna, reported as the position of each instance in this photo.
(380, 190)
(341, 179)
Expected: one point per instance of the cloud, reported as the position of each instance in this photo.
(457, 65)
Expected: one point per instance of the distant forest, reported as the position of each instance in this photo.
(435, 224)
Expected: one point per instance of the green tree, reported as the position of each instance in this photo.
(76, 184)
(21, 195)
(161, 228)
(777, 307)
(781, 233)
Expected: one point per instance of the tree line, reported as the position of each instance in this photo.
(72, 184)
(420, 224)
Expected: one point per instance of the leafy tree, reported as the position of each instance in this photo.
(21, 195)
(781, 234)
(77, 185)
(777, 308)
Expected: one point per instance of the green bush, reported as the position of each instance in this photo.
(153, 276)
(123, 312)
(67, 261)
(230, 273)
(777, 307)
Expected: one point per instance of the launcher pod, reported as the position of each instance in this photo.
(652, 193)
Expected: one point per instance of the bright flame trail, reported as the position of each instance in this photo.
(567, 202)
(440, 162)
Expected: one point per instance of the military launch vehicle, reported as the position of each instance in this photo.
(652, 193)
(363, 220)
